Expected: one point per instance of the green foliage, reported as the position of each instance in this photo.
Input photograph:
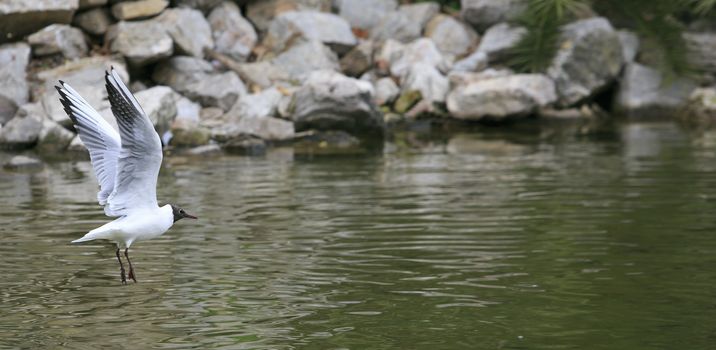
(657, 22)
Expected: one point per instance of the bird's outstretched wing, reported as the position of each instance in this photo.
(141, 154)
(102, 141)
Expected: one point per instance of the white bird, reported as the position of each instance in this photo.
(126, 165)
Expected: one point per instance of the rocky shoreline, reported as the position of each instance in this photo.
(240, 76)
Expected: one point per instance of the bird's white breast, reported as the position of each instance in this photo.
(145, 223)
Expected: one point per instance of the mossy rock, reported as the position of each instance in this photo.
(407, 100)
(197, 136)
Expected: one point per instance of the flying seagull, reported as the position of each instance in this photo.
(126, 165)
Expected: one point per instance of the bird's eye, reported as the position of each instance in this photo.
(181, 211)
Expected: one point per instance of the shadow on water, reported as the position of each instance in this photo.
(536, 237)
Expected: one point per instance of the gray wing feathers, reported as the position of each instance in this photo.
(141, 154)
(101, 140)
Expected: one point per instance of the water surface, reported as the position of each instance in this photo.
(475, 240)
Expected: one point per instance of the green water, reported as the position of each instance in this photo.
(480, 240)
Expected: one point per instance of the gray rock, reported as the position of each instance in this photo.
(138, 9)
(365, 14)
(463, 78)
(233, 34)
(53, 138)
(197, 80)
(329, 100)
(422, 50)
(86, 76)
(20, 132)
(477, 61)
(389, 52)
(95, 21)
(452, 38)
(305, 57)
(262, 12)
(13, 65)
(386, 91)
(86, 4)
(701, 51)
(643, 92)
(160, 105)
(589, 58)
(498, 98)
(630, 45)
(433, 86)
(312, 25)
(396, 25)
(254, 115)
(189, 29)
(23, 163)
(205, 150)
(701, 106)
(201, 5)
(141, 42)
(263, 74)
(187, 112)
(499, 39)
(19, 18)
(358, 60)
(420, 13)
(77, 146)
(58, 38)
(482, 14)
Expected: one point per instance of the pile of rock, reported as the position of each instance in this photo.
(209, 71)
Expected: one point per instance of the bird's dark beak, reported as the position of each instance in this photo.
(187, 215)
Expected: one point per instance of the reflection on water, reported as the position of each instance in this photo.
(481, 241)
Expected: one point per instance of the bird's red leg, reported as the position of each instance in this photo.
(121, 268)
(131, 269)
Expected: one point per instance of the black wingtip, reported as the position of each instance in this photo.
(62, 82)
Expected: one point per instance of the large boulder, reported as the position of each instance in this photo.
(197, 80)
(160, 105)
(20, 132)
(19, 18)
(501, 97)
(630, 45)
(128, 10)
(452, 37)
(263, 74)
(396, 25)
(254, 115)
(86, 76)
(329, 100)
(477, 61)
(305, 57)
(433, 86)
(327, 28)
(53, 138)
(189, 30)
(422, 50)
(589, 59)
(14, 59)
(701, 106)
(95, 21)
(484, 13)
(701, 50)
(58, 38)
(140, 42)
(643, 92)
(499, 40)
(420, 13)
(262, 12)
(233, 34)
(386, 91)
(365, 14)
